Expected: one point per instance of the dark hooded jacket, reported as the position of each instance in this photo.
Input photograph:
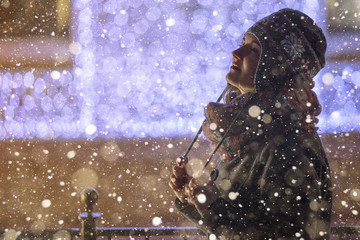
(273, 185)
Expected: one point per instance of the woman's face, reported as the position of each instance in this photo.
(245, 61)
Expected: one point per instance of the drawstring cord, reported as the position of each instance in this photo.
(214, 173)
(200, 130)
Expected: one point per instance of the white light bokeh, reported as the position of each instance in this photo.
(233, 195)
(254, 111)
(46, 203)
(83, 178)
(71, 154)
(149, 70)
(212, 237)
(156, 221)
(201, 198)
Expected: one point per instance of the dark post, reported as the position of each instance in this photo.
(89, 197)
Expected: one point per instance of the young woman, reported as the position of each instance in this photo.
(273, 181)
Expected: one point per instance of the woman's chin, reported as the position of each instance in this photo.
(229, 79)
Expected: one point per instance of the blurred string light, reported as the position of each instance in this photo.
(148, 68)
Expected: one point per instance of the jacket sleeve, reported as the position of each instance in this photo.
(221, 218)
(292, 189)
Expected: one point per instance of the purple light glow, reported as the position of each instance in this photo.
(148, 68)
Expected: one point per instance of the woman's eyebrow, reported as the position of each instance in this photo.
(253, 41)
(256, 42)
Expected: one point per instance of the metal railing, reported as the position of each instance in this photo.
(343, 232)
(114, 233)
(89, 231)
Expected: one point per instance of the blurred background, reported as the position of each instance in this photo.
(107, 94)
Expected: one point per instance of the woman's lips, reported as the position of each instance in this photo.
(236, 68)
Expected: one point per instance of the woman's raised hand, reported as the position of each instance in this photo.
(201, 194)
(179, 179)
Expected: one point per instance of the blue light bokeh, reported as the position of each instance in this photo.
(147, 68)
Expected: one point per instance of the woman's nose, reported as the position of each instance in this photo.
(238, 53)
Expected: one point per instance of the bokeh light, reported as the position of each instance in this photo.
(201, 198)
(83, 178)
(156, 221)
(46, 203)
(148, 69)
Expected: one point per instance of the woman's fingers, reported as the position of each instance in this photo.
(193, 191)
(191, 201)
(192, 185)
(179, 172)
(179, 192)
(179, 177)
(182, 161)
(178, 182)
(193, 188)
(174, 187)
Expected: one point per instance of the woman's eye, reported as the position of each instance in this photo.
(254, 50)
